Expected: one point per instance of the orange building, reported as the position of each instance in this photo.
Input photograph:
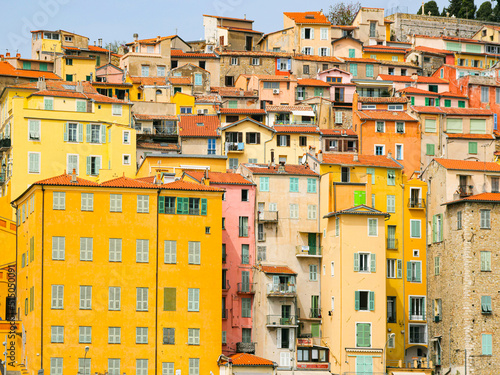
(384, 128)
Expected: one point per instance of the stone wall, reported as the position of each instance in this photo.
(267, 66)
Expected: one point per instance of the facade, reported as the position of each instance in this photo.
(9, 75)
(341, 87)
(372, 27)
(207, 61)
(234, 34)
(200, 134)
(312, 88)
(172, 297)
(272, 89)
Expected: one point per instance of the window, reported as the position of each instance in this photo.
(86, 249)
(495, 184)
(418, 334)
(363, 335)
(430, 126)
(337, 226)
(57, 334)
(369, 70)
(324, 33)
(399, 152)
(194, 252)
(364, 301)
(141, 367)
(429, 150)
(143, 203)
(233, 163)
(198, 79)
(305, 69)
(194, 366)
(113, 366)
(380, 127)
(437, 266)
(313, 272)
(167, 368)
(485, 219)
(246, 335)
(324, 51)
(391, 268)
(417, 308)
(58, 245)
(85, 297)
(373, 227)
(415, 228)
(244, 195)
(345, 174)
(142, 299)
(261, 253)
(486, 344)
(193, 299)
(193, 336)
(115, 249)
(283, 141)
(294, 184)
(294, 211)
(379, 150)
(245, 254)
(56, 366)
(454, 125)
(391, 310)
(186, 110)
(486, 304)
(473, 148)
(234, 61)
(400, 127)
(114, 303)
(485, 94)
(364, 262)
(254, 61)
(414, 271)
(312, 212)
(145, 70)
(264, 183)
(391, 203)
(243, 226)
(84, 335)
(87, 201)
(307, 50)
(115, 202)
(246, 307)
(142, 251)
(34, 130)
(117, 109)
(486, 261)
(33, 162)
(311, 185)
(253, 138)
(114, 335)
(126, 137)
(57, 297)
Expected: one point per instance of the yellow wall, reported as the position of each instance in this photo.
(80, 70)
(182, 100)
(153, 164)
(384, 56)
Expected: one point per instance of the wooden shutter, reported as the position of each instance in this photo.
(89, 133)
(356, 300)
(434, 229)
(185, 206)
(180, 203)
(247, 137)
(356, 262)
(472, 147)
(203, 206)
(399, 269)
(240, 137)
(161, 205)
(408, 271)
(441, 227)
(287, 140)
(80, 132)
(373, 262)
(371, 303)
(258, 139)
(278, 338)
(418, 271)
(103, 133)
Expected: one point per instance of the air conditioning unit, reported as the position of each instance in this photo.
(276, 91)
(200, 111)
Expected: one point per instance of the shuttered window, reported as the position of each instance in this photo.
(57, 334)
(312, 212)
(58, 248)
(359, 197)
(170, 252)
(169, 299)
(294, 184)
(363, 335)
(86, 248)
(372, 227)
(143, 203)
(485, 219)
(473, 148)
(391, 203)
(59, 200)
(87, 201)
(454, 125)
(478, 126)
(486, 344)
(142, 299)
(264, 183)
(485, 260)
(142, 251)
(57, 297)
(415, 228)
(85, 297)
(194, 252)
(430, 126)
(115, 249)
(193, 299)
(114, 302)
(115, 203)
(193, 336)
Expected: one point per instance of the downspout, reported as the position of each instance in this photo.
(272, 137)
(41, 288)
(402, 268)
(156, 291)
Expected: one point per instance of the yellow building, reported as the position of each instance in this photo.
(175, 164)
(144, 302)
(184, 103)
(56, 126)
(386, 53)
(73, 68)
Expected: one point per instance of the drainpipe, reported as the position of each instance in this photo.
(156, 291)
(272, 137)
(42, 279)
(403, 266)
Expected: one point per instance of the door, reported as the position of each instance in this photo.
(315, 307)
(245, 281)
(261, 208)
(286, 314)
(415, 198)
(311, 241)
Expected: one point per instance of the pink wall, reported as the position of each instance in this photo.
(346, 78)
(232, 209)
(423, 86)
(113, 75)
(420, 100)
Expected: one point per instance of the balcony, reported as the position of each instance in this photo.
(281, 290)
(279, 321)
(246, 288)
(245, 347)
(302, 251)
(2, 178)
(224, 314)
(315, 313)
(392, 244)
(164, 130)
(225, 285)
(465, 190)
(268, 216)
(302, 122)
(235, 147)
(5, 144)
(261, 236)
(416, 203)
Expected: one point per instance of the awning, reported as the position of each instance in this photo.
(304, 113)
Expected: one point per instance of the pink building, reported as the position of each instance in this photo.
(238, 256)
(272, 89)
(341, 87)
(432, 84)
(421, 98)
(109, 73)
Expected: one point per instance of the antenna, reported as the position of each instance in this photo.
(304, 158)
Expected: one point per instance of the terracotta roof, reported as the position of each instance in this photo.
(220, 178)
(111, 84)
(159, 146)
(152, 40)
(245, 359)
(150, 81)
(421, 79)
(232, 28)
(269, 77)
(432, 50)
(385, 115)
(256, 53)
(180, 80)
(399, 63)
(228, 18)
(65, 180)
(444, 37)
(233, 92)
(288, 108)
(308, 17)
(360, 60)
(8, 70)
(127, 183)
(364, 160)
(390, 99)
(144, 117)
(185, 185)
(199, 126)
(242, 111)
(277, 270)
(448, 94)
(468, 165)
(483, 197)
(348, 132)
(417, 91)
(181, 53)
(296, 129)
(331, 59)
(290, 169)
(388, 49)
(453, 111)
(312, 82)
(148, 179)
(208, 98)
(471, 136)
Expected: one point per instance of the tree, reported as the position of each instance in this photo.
(454, 7)
(485, 12)
(467, 9)
(496, 12)
(443, 13)
(430, 6)
(343, 13)
(114, 46)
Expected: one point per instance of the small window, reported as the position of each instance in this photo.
(244, 195)
(485, 219)
(126, 159)
(126, 137)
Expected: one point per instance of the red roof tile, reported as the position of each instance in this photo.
(242, 111)
(348, 132)
(391, 99)
(159, 146)
(231, 28)
(471, 136)
(234, 92)
(277, 269)
(364, 160)
(65, 180)
(290, 169)
(245, 359)
(220, 178)
(152, 40)
(385, 115)
(421, 79)
(433, 50)
(199, 126)
(468, 165)
(149, 81)
(448, 94)
(8, 70)
(308, 17)
(256, 53)
(296, 129)
(143, 117)
(417, 91)
(332, 59)
(126, 182)
(270, 77)
(388, 49)
(484, 197)
(444, 37)
(360, 59)
(180, 53)
(148, 179)
(180, 80)
(312, 82)
(453, 111)
(208, 98)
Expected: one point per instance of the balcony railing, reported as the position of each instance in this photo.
(235, 146)
(268, 216)
(165, 130)
(416, 203)
(465, 190)
(302, 122)
(246, 288)
(261, 236)
(392, 244)
(245, 347)
(194, 211)
(315, 313)
(224, 314)
(281, 289)
(305, 251)
(278, 320)
(225, 285)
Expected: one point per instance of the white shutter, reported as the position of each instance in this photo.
(291, 342)
(278, 339)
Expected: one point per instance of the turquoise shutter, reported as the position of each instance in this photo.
(486, 344)
(472, 147)
(103, 134)
(161, 205)
(418, 276)
(180, 202)
(441, 228)
(89, 135)
(356, 300)
(372, 301)
(80, 132)
(423, 308)
(434, 229)
(185, 206)
(66, 132)
(408, 271)
(203, 206)
(356, 262)
(89, 165)
(373, 262)
(399, 269)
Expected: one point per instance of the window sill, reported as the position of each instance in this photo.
(485, 228)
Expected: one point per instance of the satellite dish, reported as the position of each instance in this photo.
(304, 158)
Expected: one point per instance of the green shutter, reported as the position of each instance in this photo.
(373, 262)
(356, 300)
(369, 70)
(442, 228)
(472, 147)
(372, 301)
(430, 149)
(315, 330)
(436, 102)
(408, 271)
(418, 276)
(169, 299)
(89, 134)
(461, 104)
(352, 53)
(359, 198)
(66, 132)
(356, 262)
(180, 202)
(203, 206)
(81, 106)
(426, 102)
(353, 69)
(80, 132)
(434, 229)
(89, 165)
(478, 126)
(412, 100)
(423, 309)
(399, 274)
(486, 344)
(447, 103)
(161, 205)
(103, 133)
(185, 206)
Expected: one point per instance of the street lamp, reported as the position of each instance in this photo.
(85, 360)
(391, 336)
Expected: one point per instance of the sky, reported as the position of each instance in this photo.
(114, 20)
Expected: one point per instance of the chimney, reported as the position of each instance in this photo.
(18, 55)
(79, 87)
(136, 36)
(355, 158)
(73, 176)
(7, 54)
(41, 84)
(99, 42)
(94, 43)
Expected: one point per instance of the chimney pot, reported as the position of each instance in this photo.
(7, 54)
(18, 55)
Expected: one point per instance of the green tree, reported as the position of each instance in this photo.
(343, 13)
(485, 12)
(496, 12)
(430, 6)
(443, 13)
(114, 46)
(467, 9)
(454, 7)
